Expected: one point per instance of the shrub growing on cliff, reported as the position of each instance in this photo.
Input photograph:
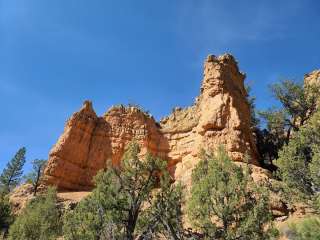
(34, 177)
(40, 220)
(225, 203)
(125, 205)
(299, 161)
(299, 103)
(11, 175)
(5, 214)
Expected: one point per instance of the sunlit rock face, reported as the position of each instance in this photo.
(312, 78)
(219, 116)
(89, 143)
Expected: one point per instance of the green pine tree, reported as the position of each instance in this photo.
(299, 161)
(298, 100)
(298, 103)
(225, 203)
(11, 175)
(123, 204)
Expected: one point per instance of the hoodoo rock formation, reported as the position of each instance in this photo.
(220, 116)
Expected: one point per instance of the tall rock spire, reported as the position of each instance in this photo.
(220, 116)
(224, 109)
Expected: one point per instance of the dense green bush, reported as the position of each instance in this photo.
(299, 161)
(40, 220)
(5, 213)
(298, 104)
(225, 203)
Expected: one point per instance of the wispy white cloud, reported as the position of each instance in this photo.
(221, 25)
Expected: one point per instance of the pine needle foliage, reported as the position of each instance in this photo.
(11, 175)
(127, 202)
(299, 161)
(225, 203)
(40, 220)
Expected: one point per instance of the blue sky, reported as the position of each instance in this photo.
(55, 54)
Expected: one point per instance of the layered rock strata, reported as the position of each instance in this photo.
(220, 116)
(89, 143)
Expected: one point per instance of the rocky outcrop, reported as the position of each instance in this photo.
(90, 142)
(220, 116)
(20, 197)
(312, 78)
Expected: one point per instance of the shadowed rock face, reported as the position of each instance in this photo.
(220, 116)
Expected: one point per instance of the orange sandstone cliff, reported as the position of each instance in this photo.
(220, 116)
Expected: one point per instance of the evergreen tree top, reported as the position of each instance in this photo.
(11, 175)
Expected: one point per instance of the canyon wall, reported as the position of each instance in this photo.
(220, 116)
